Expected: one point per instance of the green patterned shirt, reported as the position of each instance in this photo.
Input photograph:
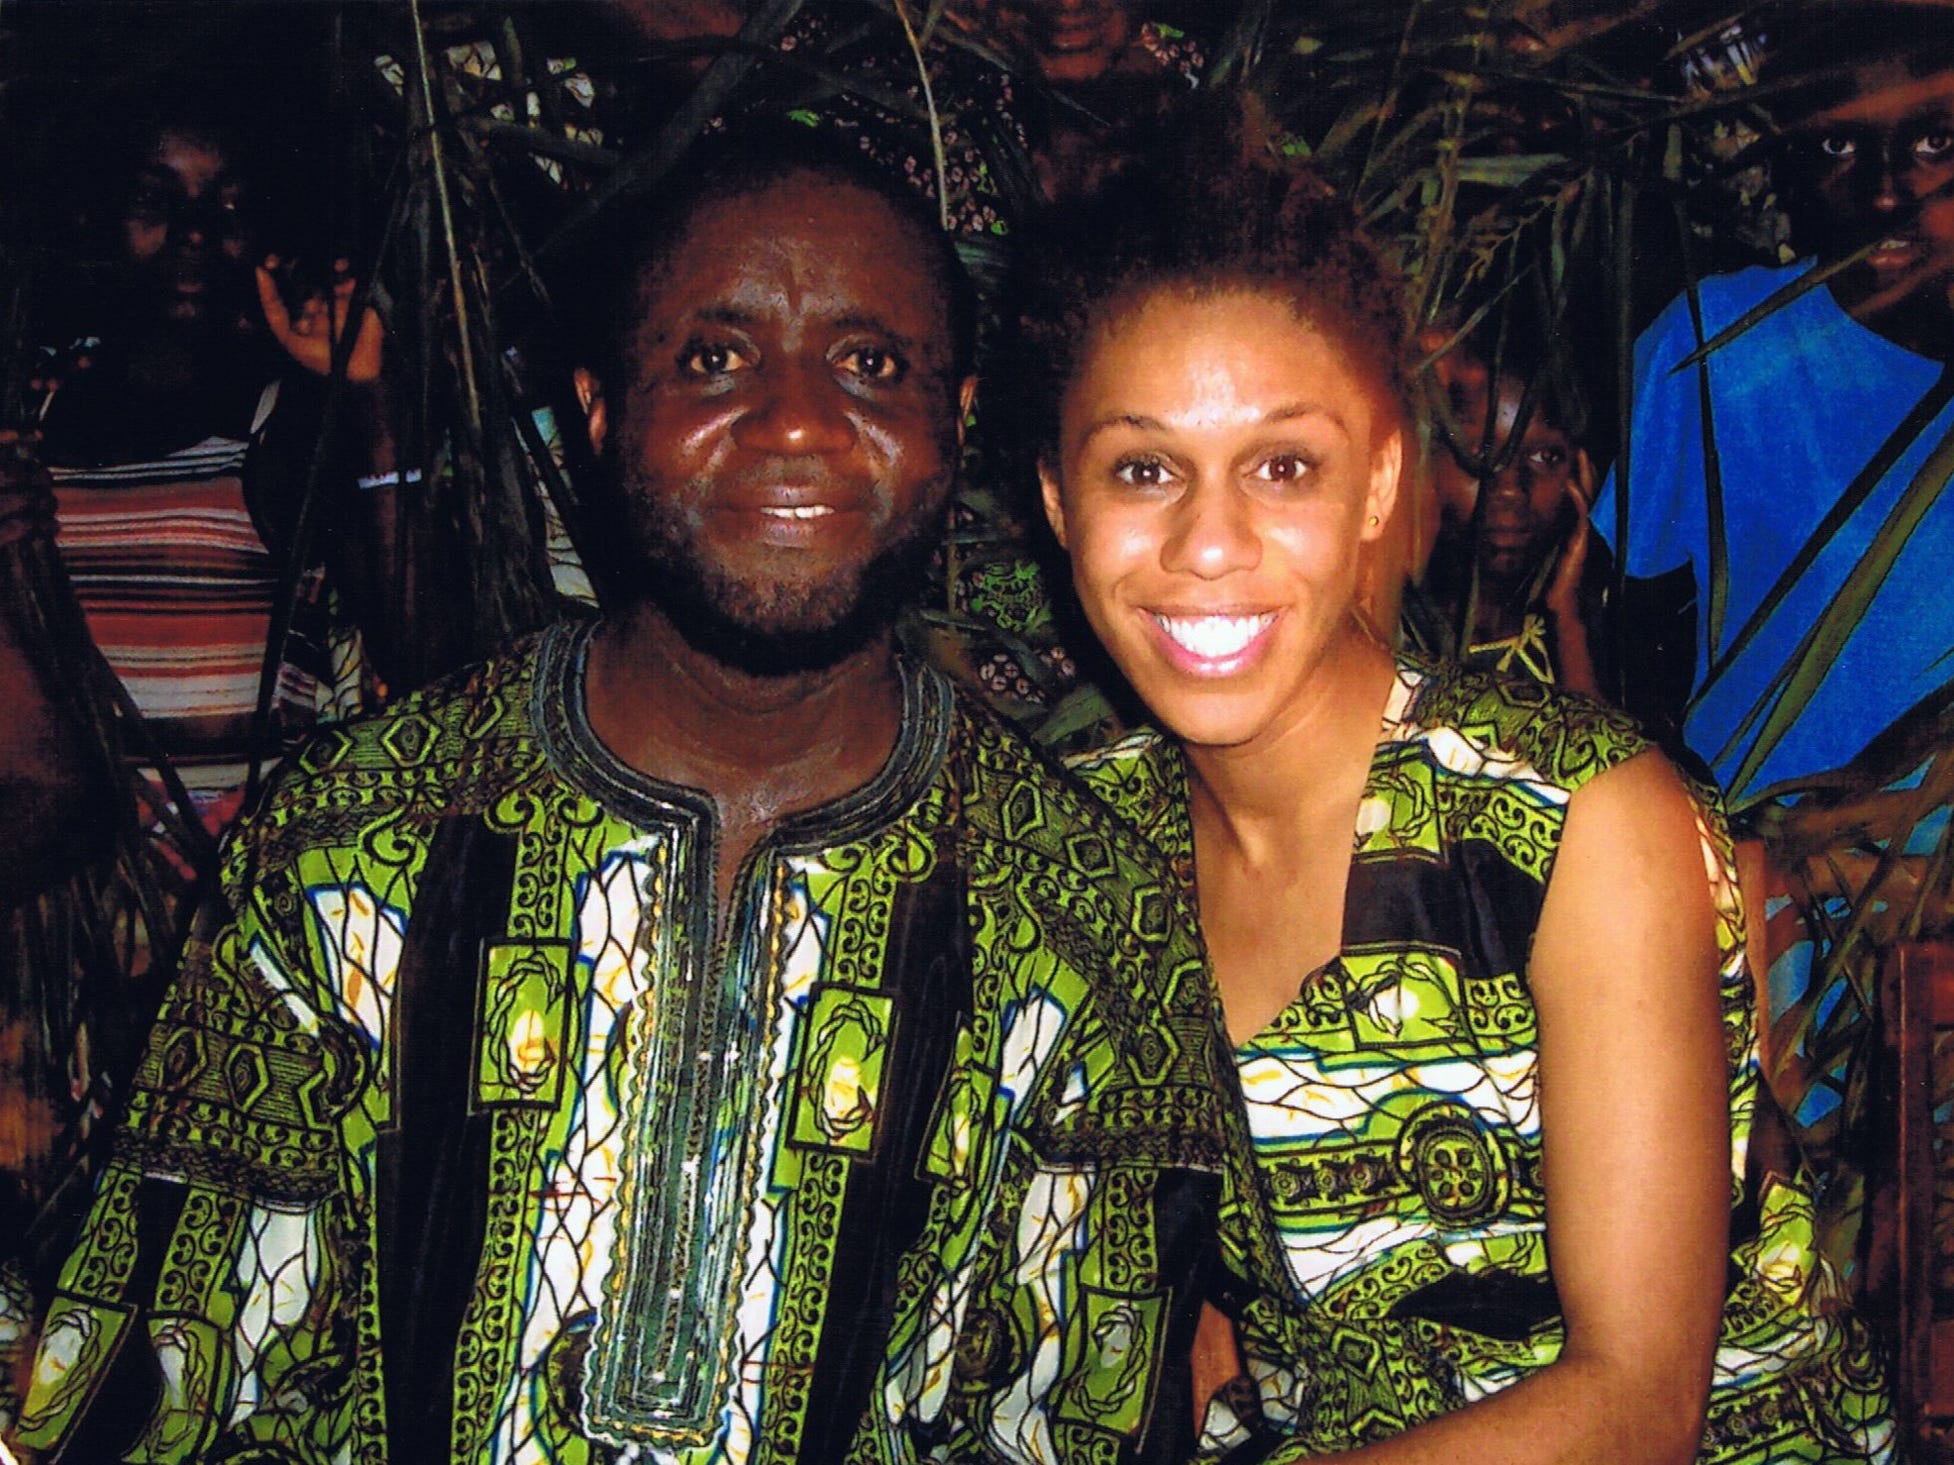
(1395, 1102)
(468, 1137)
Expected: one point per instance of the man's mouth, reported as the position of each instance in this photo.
(1214, 638)
(1892, 247)
(798, 511)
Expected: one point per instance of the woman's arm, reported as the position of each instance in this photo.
(1634, 1117)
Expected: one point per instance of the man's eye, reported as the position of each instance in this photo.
(1284, 468)
(1141, 472)
(874, 363)
(710, 359)
(1548, 457)
(1934, 147)
(1838, 145)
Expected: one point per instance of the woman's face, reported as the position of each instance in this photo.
(1220, 461)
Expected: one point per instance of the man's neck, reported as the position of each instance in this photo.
(760, 746)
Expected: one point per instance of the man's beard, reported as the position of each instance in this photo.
(779, 629)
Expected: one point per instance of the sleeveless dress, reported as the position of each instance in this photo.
(1395, 1102)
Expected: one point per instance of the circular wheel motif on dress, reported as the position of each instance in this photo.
(1454, 1163)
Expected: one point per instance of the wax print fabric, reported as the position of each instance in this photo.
(1395, 1104)
(475, 1134)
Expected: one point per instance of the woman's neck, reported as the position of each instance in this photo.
(1262, 799)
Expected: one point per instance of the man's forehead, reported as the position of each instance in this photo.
(835, 246)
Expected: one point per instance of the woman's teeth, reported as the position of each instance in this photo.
(1214, 637)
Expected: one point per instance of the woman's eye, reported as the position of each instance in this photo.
(710, 359)
(1141, 472)
(1548, 457)
(1934, 147)
(874, 363)
(1284, 468)
(1838, 145)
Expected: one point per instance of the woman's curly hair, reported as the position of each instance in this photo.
(1220, 210)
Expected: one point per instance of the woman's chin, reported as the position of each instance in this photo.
(1211, 717)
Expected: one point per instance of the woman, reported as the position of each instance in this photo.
(1455, 1065)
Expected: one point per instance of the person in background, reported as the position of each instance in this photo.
(1512, 552)
(157, 464)
(1817, 416)
(1477, 943)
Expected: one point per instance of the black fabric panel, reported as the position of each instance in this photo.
(1187, 1204)
(1496, 1305)
(433, 1162)
(926, 970)
(1476, 899)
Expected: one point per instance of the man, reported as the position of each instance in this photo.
(703, 1037)
(1821, 414)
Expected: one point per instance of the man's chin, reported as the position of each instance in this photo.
(769, 651)
(783, 636)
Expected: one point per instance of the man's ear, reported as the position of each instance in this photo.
(590, 397)
(966, 394)
(1387, 471)
(1054, 502)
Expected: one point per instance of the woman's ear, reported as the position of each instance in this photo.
(1387, 472)
(590, 397)
(1054, 502)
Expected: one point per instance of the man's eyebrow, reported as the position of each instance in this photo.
(723, 315)
(876, 325)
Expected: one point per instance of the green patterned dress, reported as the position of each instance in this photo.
(468, 1137)
(1395, 1102)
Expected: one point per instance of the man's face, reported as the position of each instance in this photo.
(1880, 167)
(787, 442)
(183, 233)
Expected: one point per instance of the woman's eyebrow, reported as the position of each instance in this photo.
(1287, 412)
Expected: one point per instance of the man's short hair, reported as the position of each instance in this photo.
(603, 300)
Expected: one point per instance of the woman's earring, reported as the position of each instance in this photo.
(1373, 521)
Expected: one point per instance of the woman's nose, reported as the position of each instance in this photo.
(1213, 534)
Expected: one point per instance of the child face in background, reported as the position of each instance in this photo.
(1528, 497)
(1071, 40)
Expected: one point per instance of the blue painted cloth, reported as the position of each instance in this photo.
(1800, 403)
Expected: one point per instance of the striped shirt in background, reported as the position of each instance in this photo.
(178, 588)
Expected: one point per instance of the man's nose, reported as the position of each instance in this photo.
(800, 411)
(1212, 533)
